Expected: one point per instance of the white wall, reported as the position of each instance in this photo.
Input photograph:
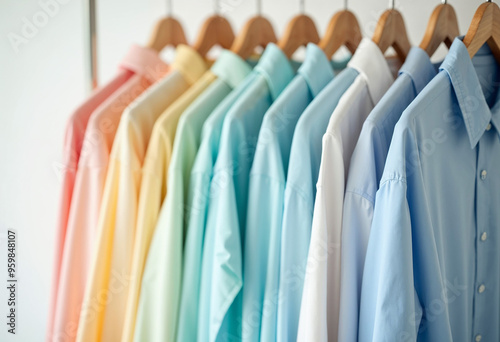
(43, 79)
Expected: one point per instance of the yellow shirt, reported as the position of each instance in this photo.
(103, 310)
(154, 189)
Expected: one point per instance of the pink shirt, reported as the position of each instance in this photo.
(88, 142)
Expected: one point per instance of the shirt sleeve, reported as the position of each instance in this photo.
(320, 299)
(109, 279)
(390, 309)
(227, 253)
(367, 164)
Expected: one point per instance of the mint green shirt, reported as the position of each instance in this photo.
(267, 194)
(166, 249)
(231, 71)
(196, 214)
(222, 268)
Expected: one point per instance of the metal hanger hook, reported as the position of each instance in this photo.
(169, 8)
(216, 7)
(444, 2)
(345, 5)
(302, 6)
(259, 7)
(393, 4)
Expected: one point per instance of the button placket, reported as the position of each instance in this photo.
(482, 191)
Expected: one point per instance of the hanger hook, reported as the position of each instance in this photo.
(169, 8)
(216, 7)
(345, 5)
(393, 4)
(302, 6)
(259, 8)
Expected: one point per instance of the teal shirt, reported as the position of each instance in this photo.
(222, 273)
(266, 196)
(300, 191)
(230, 70)
(195, 309)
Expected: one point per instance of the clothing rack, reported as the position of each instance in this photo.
(91, 40)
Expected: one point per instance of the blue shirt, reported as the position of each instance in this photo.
(432, 268)
(300, 191)
(231, 71)
(266, 196)
(199, 192)
(223, 250)
(366, 167)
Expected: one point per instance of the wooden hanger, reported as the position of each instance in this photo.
(167, 31)
(442, 28)
(258, 31)
(300, 31)
(343, 29)
(216, 30)
(391, 31)
(485, 27)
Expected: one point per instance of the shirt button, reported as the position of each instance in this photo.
(483, 174)
(488, 127)
(484, 236)
(478, 338)
(481, 288)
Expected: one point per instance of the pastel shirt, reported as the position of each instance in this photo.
(223, 251)
(112, 257)
(192, 305)
(89, 139)
(160, 292)
(433, 260)
(153, 189)
(266, 195)
(321, 297)
(300, 190)
(365, 171)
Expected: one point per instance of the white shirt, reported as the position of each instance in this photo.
(319, 313)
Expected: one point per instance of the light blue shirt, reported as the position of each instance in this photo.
(199, 194)
(223, 251)
(432, 268)
(300, 191)
(266, 196)
(231, 71)
(367, 165)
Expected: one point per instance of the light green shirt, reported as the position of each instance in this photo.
(164, 260)
(222, 271)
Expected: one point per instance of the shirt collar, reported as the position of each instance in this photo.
(230, 68)
(145, 62)
(275, 68)
(419, 68)
(370, 62)
(189, 63)
(316, 69)
(460, 69)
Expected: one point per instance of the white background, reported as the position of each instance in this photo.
(45, 79)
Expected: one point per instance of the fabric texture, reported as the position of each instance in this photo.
(105, 297)
(319, 311)
(300, 191)
(88, 143)
(222, 274)
(365, 171)
(193, 306)
(266, 195)
(153, 190)
(432, 263)
(161, 283)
